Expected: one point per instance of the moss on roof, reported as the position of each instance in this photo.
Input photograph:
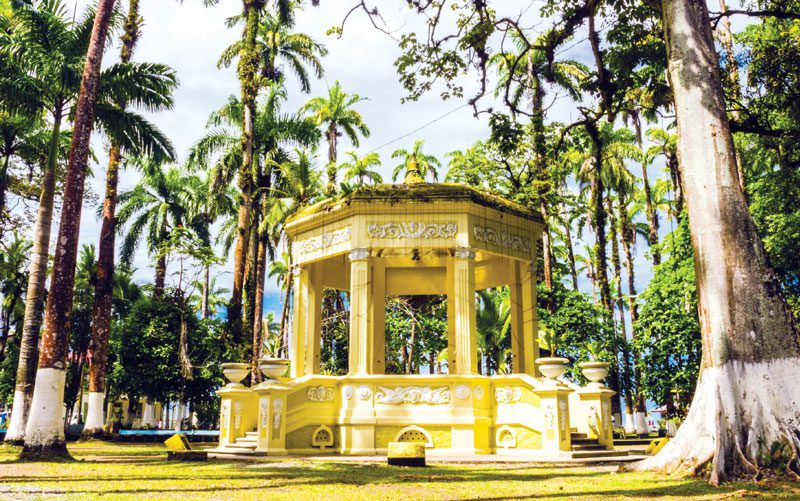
(391, 194)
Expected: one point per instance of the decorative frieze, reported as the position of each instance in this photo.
(413, 395)
(501, 238)
(320, 394)
(507, 395)
(412, 230)
(324, 241)
(364, 392)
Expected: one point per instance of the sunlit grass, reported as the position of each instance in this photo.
(135, 471)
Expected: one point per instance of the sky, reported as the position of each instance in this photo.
(190, 37)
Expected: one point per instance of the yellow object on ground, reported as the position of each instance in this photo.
(178, 442)
(656, 445)
(406, 453)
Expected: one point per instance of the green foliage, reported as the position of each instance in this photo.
(584, 329)
(416, 334)
(668, 330)
(145, 346)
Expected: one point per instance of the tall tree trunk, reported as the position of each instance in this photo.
(573, 271)
(258, 322)
(539, 171)
(732, 67)
(623, 382)
(204, 309)
(652, 215)
(34, 298)
(3, 188)
(43, 436)
(747, 396)
(628, 239)
(332, 135)
(249, 83)
(251, 268)
(104, 276)
(161, 275)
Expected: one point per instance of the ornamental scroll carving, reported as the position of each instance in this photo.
(319, 394)
(508, 395)
(412, 230)
(501, 238)
(413, 395)
(324, 241)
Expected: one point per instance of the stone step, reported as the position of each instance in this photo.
(251, 434)
(588, 447)
(578, 435)
(227, 451)
(598, 454)
(584, 441)
(247, 440)
(633, 441)
(239, 446)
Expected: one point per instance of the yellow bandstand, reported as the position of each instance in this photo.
(412, 239)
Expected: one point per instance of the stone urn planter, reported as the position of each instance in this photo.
(595, 372)
(234, 372)
(552, 367)
(273, 368)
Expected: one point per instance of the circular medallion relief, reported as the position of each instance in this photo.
(462, 391)
(348, 392)
(478, 392)
(364, 392)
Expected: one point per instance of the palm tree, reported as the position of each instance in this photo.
(222, 148)
(13, 277)
(276, 43)
(53, 48)
(263, 44)
(103, 282)
(521, 74)
(335, 112)
(417, 160)
(153, 209)
(361, 169)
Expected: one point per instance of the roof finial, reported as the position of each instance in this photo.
(412, 173)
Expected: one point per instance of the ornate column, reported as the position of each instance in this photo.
(517, 322)
(360, 305)
(464, 319)
(530, 326)
(313, 302)
(377, 363)
(299, 321)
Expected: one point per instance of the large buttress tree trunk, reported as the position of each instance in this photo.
(104, 276)
(747, 396)
(34, 299)
(44, 434)
(247, 69)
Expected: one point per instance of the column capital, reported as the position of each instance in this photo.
(464, 253)
(360, 254)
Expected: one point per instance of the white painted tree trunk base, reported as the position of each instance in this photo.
(630, 428)
(20, 408)
(149, 415)
(640, 423)
(44, 432)
(739, 409)
(94, 415)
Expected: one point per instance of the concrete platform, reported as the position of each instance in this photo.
(433, 457)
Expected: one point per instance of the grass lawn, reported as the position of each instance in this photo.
(140, 471)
